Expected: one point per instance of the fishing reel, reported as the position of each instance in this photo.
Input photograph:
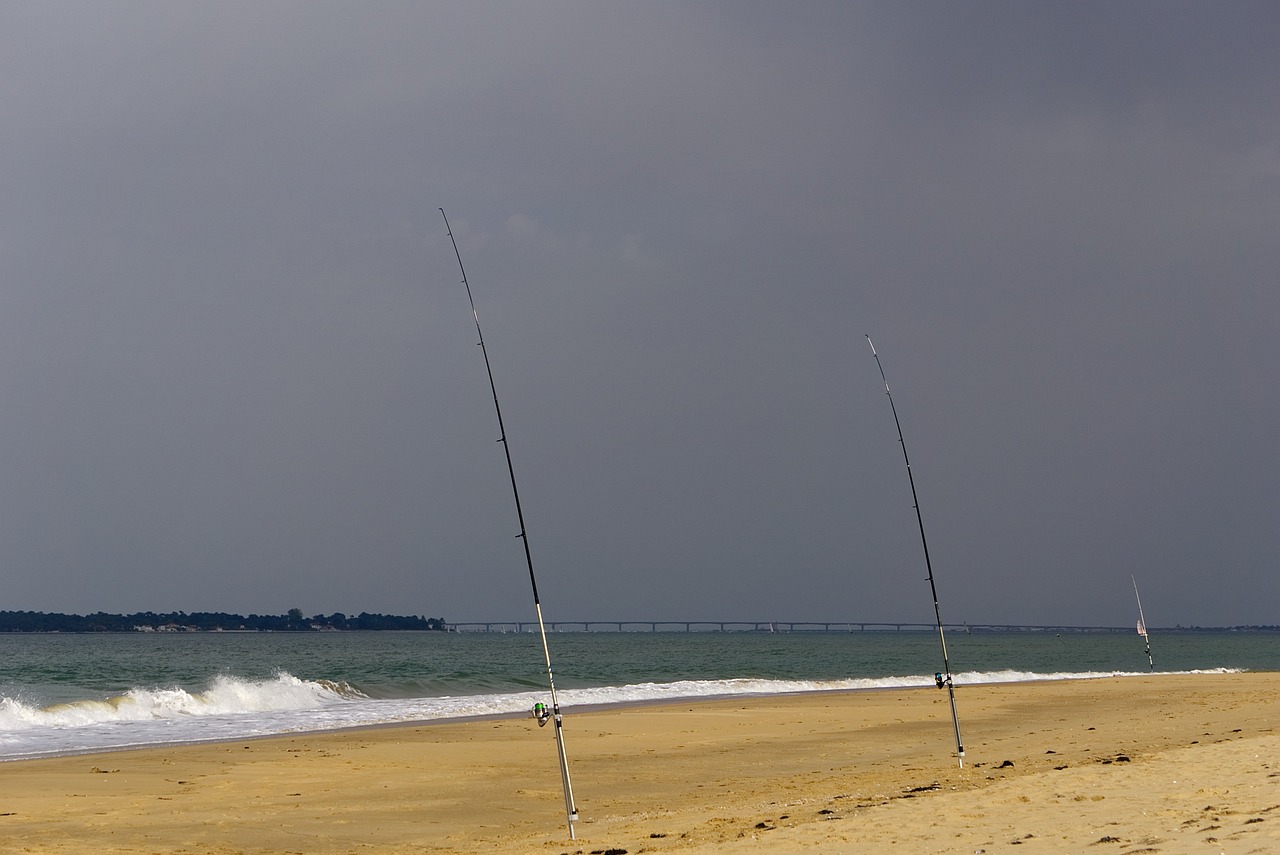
(940, 680)
(541, 713)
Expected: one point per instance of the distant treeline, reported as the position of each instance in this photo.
(293, 621)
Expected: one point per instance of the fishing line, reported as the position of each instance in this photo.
(539, 710)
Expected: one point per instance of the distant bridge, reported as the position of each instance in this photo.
(758, 626)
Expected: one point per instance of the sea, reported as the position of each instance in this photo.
(64, 694)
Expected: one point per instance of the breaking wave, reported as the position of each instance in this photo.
(225, 696)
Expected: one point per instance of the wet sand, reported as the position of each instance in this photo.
(1141, 764)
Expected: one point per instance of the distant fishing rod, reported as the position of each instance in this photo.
(943, 677)
(1142, 626)
(539, 710)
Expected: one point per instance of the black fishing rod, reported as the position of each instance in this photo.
(539, 710)
(943, 677)
(1142, 626)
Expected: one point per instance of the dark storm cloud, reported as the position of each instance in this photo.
(240, 372)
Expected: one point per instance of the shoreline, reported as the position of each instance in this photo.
(572, 710)
(1133, 759)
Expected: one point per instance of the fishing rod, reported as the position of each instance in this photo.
(943, 677)
(1142, 626)
(539, 710)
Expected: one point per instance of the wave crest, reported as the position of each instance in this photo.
(226, 695)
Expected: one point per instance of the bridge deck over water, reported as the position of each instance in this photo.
(758, 626)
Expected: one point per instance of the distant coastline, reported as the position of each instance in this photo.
(295, 621)
(291, 621)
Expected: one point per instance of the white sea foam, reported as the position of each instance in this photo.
(225, 696)
(233, 708)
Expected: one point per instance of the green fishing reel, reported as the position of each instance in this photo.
(541, 713)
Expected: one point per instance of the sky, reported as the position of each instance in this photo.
(238, 367)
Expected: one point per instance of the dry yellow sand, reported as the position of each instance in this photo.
(1160, 764)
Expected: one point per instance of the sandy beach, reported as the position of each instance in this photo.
(1140, 764)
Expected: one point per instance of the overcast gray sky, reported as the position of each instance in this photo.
(238, 368)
